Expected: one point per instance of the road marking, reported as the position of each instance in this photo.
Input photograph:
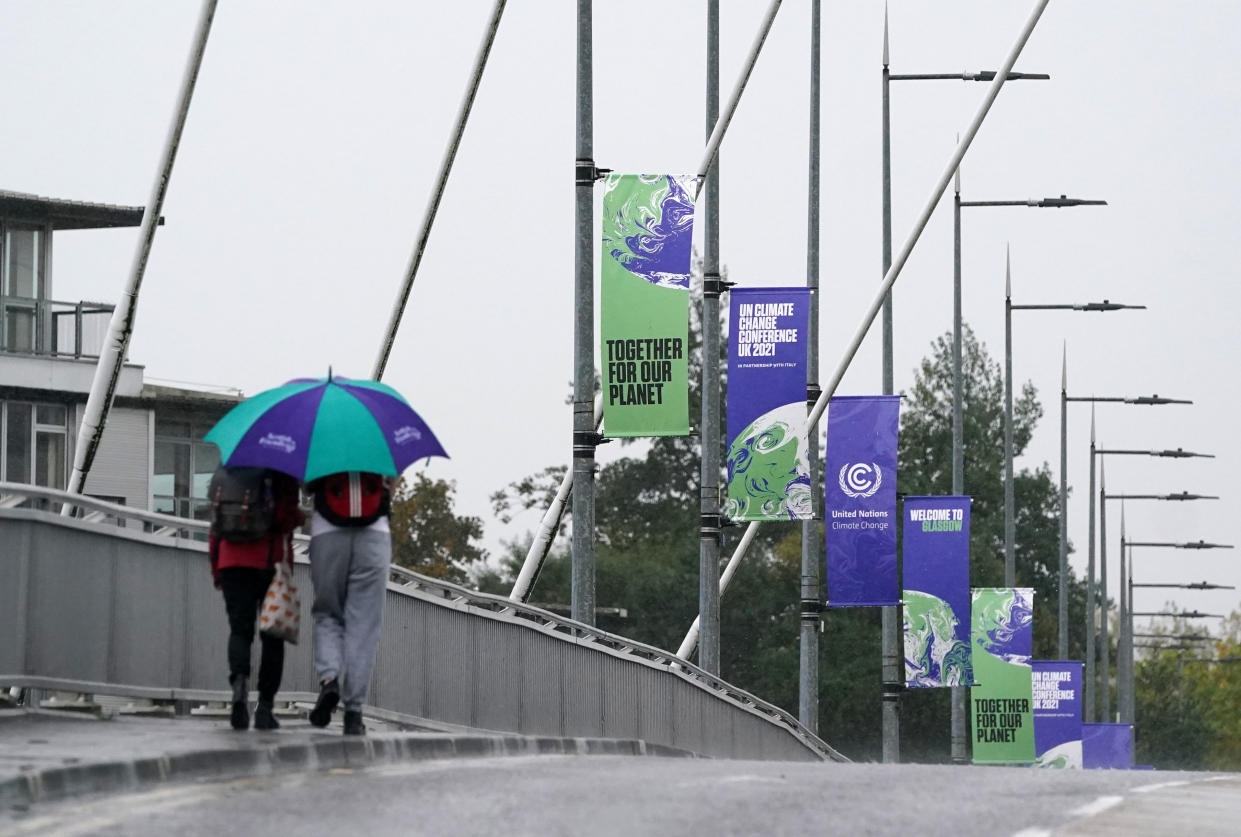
(1033, 832)
(1098, 806)
(1158, 786)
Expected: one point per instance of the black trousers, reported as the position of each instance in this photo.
(244, 589)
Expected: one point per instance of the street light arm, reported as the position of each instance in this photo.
(1107, 305)
(981, 75)
(1064, 200)
(1155, 400)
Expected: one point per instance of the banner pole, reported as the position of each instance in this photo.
(811, 595)
(584, 436)
(709, 433)
(441, 183)
(542, 542)
(820, 405)
(121, 327)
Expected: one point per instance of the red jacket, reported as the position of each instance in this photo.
(263, 553)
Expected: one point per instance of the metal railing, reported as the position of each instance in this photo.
(58, 328)
(449, 654)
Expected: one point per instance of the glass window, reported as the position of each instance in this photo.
(50, 414)
(17, 442)
(206, 458)
(49, 459)
(171, 477)
(18, 329)
(21, 263)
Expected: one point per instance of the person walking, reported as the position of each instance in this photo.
(254, 512)
(350, 550)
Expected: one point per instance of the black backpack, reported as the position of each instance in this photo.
(243, 504)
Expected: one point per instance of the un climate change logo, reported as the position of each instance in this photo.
(860, 479)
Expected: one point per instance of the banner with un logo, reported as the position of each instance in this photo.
(860, 501)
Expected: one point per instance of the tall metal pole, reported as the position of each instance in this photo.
(808, 683)
(1090, 590)
(959, 731)
(1062, 627)
(584, 437)
(1010, 525)
(1105, 651)
(441, 183)
(1130, 693)
(891, 617)
(1122, 651)
(709, 491)
(121, 326)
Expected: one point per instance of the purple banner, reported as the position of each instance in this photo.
(936, 570)
(1057, 713)
(860, 500)
(768, 453)
(1107, 746)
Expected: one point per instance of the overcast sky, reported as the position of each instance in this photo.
(317, 128)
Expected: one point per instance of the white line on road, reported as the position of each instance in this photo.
(1033, 832)
(1158, 786)
(1098, 806)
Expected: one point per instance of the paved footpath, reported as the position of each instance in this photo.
(52, 755)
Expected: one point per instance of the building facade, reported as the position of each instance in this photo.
(151, 455)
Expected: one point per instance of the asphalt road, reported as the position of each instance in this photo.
(601, 795)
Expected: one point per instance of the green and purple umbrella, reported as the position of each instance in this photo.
(312, 427)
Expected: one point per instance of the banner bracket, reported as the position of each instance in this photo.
(713, 285)
(709, 526)
(813, 391)
(586, 173)
(585, 442)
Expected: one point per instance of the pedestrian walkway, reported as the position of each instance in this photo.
(49, 755)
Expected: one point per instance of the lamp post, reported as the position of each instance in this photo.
(1092, 597)
(958, 444)
(1127, 699)
(1010, 535)
(892, 657)
(1065, 398)
(1105, 692)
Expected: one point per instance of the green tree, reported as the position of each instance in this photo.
(1186, 702)
(428, 537)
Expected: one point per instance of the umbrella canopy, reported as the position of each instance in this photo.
(312, 427)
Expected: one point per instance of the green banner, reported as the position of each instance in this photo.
(648, 224)
(1001, 705)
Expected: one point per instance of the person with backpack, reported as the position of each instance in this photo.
(254, 512)
(350, 550)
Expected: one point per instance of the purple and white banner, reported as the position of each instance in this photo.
(768, 452)
(860, 501)
(1107, 746)
(1057, 713)
(936, 569)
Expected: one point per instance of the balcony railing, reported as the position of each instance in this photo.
(48, 327)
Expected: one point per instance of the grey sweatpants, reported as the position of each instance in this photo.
(349, 569)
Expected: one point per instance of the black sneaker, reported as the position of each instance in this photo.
(263, 717)
(329, 696)
(240, 716)
(353, 723)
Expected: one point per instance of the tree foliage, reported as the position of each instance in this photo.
(1186, 701)
(428, 537)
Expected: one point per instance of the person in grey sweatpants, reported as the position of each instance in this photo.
(349, 569)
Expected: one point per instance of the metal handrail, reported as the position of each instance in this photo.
(410, 582)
